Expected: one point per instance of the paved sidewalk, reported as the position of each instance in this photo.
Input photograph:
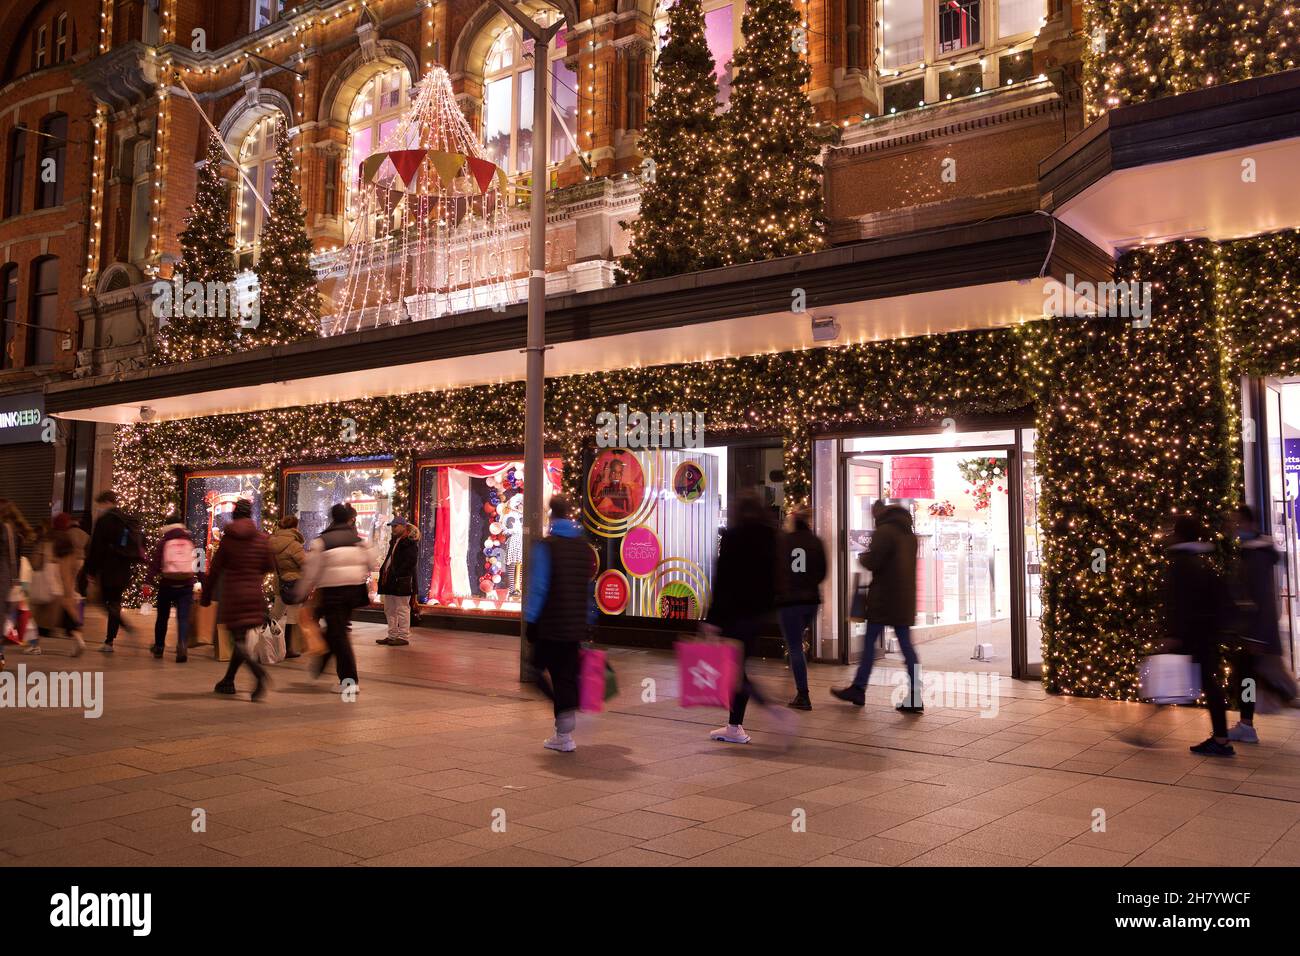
(443, 743)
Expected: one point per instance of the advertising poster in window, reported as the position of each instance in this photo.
(311, 491)
(210, 497)
(470, 517)
(654, 517)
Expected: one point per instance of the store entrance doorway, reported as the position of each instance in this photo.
(972, 498)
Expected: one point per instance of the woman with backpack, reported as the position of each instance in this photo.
(53, 590)
(287, 549)
(172, 567)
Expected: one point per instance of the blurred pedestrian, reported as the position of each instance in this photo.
(1254, 590)
(744, 593)
(803, 558)
(397, 582)
(52, 593)
(1196, 611)
(115, 545)
(557, 611)
(891, 602)
(241, 564)
(287, 549)
(338, 565)
(172, 569)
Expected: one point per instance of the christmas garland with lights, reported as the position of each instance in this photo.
(1134, 423)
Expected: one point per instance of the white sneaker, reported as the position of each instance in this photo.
(732, 734)
(81, 645)
(562, 742)
(32, 649)
(106, 649)
(1243, 733)
(342, 687)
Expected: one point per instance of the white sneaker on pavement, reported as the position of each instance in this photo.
(732, 734)
(343, 687)
(32, 649)
(564, 743)
(1243, 733)
(81, 645)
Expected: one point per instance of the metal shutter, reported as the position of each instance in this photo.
(27, 478)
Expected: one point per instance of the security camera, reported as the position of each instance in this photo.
(147, 414)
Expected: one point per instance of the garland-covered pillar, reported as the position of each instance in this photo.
(1137, 423)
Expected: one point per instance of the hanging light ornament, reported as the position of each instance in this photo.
(430, 234)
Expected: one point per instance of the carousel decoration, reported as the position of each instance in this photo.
(429, 237)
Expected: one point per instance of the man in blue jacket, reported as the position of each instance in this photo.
(557, 610)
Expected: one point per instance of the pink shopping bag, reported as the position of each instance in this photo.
(591, 680)
(709, 671)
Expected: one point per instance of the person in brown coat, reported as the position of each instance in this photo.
(242, 562)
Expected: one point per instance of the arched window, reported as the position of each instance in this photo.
(508, 102)
(54, 155)
(44, 311)
(722, 19)
(257, 161)
(14, 171)
(8, 313)
(375, 113)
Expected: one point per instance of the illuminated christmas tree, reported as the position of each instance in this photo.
(680, 225)
(197, 328)
(289, 303)
(773, 187)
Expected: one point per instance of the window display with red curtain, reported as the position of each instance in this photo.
(470, 516)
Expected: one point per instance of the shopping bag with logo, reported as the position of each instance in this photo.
(708, 671)
(591, 680)
(203, 624)
(1169, 679)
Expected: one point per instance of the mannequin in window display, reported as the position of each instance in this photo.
(513, 527)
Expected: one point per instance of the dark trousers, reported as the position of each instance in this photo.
(1214, 699)
(238, 658)
(910, 660)
(113, 608)
(181, 597)
(746, 631)
(795, 619)
(556, 663)
(335, 605)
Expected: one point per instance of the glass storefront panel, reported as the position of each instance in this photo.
(959, 503)
(310, 492)
(210, 497)
(471, 520)
(1031, 487)
(654, 518)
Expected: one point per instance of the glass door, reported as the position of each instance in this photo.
(862, 480)
(966, 513)
(1282, 467)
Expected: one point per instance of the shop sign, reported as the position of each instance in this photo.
(612, 592)
(22, 419)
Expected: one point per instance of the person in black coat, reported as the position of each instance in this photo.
(744, 590)
(115, 545)
(803, 565)
(1255, 619)
(891, 602)
(1196, 611)
(397, 583)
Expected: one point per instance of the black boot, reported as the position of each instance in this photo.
(801, 701)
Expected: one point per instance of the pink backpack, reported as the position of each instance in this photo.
(178, 557)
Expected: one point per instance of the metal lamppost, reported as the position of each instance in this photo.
(534, 424)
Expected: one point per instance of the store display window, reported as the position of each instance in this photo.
(654, 517)
(470, 516)
(310, 491)
(210, 497)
